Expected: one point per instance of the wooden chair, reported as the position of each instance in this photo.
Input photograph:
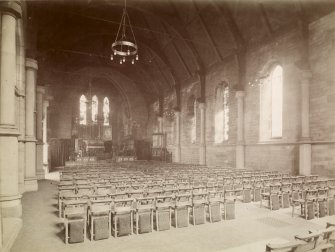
(103, 189)
(322, 202)
(163, 212)
(326, 242)
(144, 208)
(314, 241)
(85, 190)
(292, 246)
(285, 194)
(65, 191)
(272, 197)
(215, 201)
(256, 190)
(307, 204)
(100, 219)
(75, 218)
(122, 217)
(247, 191)
(181, 209)
(199, 201)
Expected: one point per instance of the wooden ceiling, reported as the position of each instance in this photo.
(175, 37)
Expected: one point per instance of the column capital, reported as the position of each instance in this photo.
(305, 75)
(40, 89)
(46, 103)
(160, 118)
(31, 63)
(239, 94)
(177, 113)
(202, 105)
(11, 7)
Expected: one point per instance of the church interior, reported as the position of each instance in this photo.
(167, 125)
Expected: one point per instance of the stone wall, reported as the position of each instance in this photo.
(287, 50)
(322, 94)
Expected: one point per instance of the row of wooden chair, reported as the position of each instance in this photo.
(313, 241)
(107, 217)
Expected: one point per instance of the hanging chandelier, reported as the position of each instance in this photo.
(125, 47)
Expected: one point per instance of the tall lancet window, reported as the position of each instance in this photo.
(221, 116)
(194, 123)
(277, 101)
(105, 111)
(83, 110)
(95, 109)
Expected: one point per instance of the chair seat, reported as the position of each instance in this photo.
(121, 210)
(163, 205)
(145, 207)
(74, 218)
(183, 204)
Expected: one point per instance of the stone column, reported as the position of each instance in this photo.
(240, 130)
(305, 149)
(202, 160)
(45, 136)
(30, 180)
(10, 198)
(40, 91)
(178, 148)
(21, 83)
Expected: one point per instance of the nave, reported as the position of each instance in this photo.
(251, 230)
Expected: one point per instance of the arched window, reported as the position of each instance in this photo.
(221, 117)
(105, 111)
(194, 123)
(271, 105)
(94, 109)
(276, 79)
(83, 110)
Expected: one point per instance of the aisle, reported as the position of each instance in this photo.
(43, 231)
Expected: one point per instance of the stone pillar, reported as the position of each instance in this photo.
(45, 136)
(21, 72)
(10, 198)
(30, 180)
(202, 153)
(240, 130)
(178, 148)
(305, 149)
(40, 91)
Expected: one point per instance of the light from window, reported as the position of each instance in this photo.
(277, 102)
(226, 113)
(105, 111)
(94, 109)
(221, 117)
(194, 123)
(82, 110)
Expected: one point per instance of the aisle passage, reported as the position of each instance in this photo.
(43, 230)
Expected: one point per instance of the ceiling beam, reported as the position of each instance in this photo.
(265, 19)
(189, 42)
(207, 32)
(180, 57)
(231, 24)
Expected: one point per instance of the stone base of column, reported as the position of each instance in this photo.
(40, 173)
(21, 166)
(177, 154)
(30, 184)
(239, 158)
(11, 206)
(202, 159)
(305, 159)
(11, 228)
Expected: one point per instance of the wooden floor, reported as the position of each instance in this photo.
(253, 227)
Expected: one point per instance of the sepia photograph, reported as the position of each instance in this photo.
(167, 125)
